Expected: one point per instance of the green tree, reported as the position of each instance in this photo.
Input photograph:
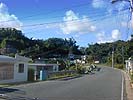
(4, 43)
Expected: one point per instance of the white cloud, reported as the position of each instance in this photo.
(74, 24)
(116, 35)
(103, 38)
(129, 37)
(8, 20)
(98, 4)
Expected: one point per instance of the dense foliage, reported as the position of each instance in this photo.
(103, 52)
(60, 48)
(52, 47)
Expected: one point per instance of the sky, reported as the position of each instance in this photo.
(87, 21)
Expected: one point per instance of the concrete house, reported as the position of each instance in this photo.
(13, 69)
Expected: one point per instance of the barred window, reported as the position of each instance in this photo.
(21, 68)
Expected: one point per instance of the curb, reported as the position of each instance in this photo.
(128, 86)
(131, 84)
(66, 77)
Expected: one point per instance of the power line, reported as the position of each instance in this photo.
(127, 25)
(91, 21)
(44, 53)
(49, 22)
(74, 6)
(128, 21)
(56, 22)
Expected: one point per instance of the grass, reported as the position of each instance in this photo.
(5, 85)
(16, 83)
(63, 76)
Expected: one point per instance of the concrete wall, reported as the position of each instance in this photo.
(20, 76)
(129, 66)
(32, 67)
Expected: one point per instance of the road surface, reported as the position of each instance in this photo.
(103, 85)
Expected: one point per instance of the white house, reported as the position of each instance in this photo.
(13, 69)
(129, 65)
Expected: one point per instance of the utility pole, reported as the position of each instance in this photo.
(113, 59)
(131, 3)
(123, 56)
(131, 9)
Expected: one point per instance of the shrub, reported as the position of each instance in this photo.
(119, 66)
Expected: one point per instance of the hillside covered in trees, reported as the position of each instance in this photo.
(13, 41)
(103, 52)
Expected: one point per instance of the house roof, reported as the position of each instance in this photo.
(39, 64)
(4, 58)
(21, 58)
(17, 58)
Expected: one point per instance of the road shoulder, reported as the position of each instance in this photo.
(129, 89)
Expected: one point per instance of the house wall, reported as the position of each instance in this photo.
(47, 68)
(17, 77)
(129, 66)
(55, 68)
(6, 71)
(20, 76)
(32, 67)
(7, 64)
(38, 68)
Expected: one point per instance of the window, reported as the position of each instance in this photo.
(21, 68)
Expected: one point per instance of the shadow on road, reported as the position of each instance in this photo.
(19, 95)
(7, 90)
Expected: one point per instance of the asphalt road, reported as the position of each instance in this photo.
(103, 85)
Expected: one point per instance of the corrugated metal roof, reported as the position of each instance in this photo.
(38, 64)
(4, 58)
(22, 58)
(17, 58)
